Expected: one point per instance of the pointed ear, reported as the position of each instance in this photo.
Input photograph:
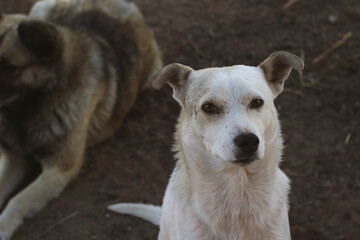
(176, 76)
(40, 38)
(277, 68)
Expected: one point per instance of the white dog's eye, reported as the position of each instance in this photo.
(256, 103)
(210, 108)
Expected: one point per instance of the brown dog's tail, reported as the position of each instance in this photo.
(147, 212)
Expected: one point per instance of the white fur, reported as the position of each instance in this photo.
(209, 196)
(147, 212)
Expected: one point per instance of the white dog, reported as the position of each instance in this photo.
(227, 184)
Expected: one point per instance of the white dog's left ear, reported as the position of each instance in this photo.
(277, 68)
(176, 76)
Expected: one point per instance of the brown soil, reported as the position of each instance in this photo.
(320, 122)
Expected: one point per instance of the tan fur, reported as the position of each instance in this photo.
(63, 92)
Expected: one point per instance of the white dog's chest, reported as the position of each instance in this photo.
(224, 215)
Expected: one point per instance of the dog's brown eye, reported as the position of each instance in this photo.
(256, 103)
(209, 108)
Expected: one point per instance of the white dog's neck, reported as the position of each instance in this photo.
(231, 199)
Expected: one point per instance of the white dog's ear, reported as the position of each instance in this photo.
(277, 68)
(175, 75)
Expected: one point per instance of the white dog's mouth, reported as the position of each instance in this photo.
(244, 161)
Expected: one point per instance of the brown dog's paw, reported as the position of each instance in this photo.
(7, 227)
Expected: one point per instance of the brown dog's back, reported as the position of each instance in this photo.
(129, 53)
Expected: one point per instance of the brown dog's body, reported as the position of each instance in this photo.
(69, 73)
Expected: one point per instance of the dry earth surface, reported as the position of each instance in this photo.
(320, 114)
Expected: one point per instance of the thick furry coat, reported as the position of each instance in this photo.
(69, 73)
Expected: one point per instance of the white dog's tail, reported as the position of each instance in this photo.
(148, 212)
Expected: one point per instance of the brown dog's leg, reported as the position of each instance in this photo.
(49, 184)
(13, 170)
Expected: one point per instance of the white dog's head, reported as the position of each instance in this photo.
(230, 110)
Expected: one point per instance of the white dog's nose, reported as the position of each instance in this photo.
(248, 143)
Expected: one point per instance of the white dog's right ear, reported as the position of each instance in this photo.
(175, 75)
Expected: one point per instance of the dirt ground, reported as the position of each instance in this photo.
(320, 114)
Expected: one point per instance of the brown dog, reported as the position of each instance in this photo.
(69, 73)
